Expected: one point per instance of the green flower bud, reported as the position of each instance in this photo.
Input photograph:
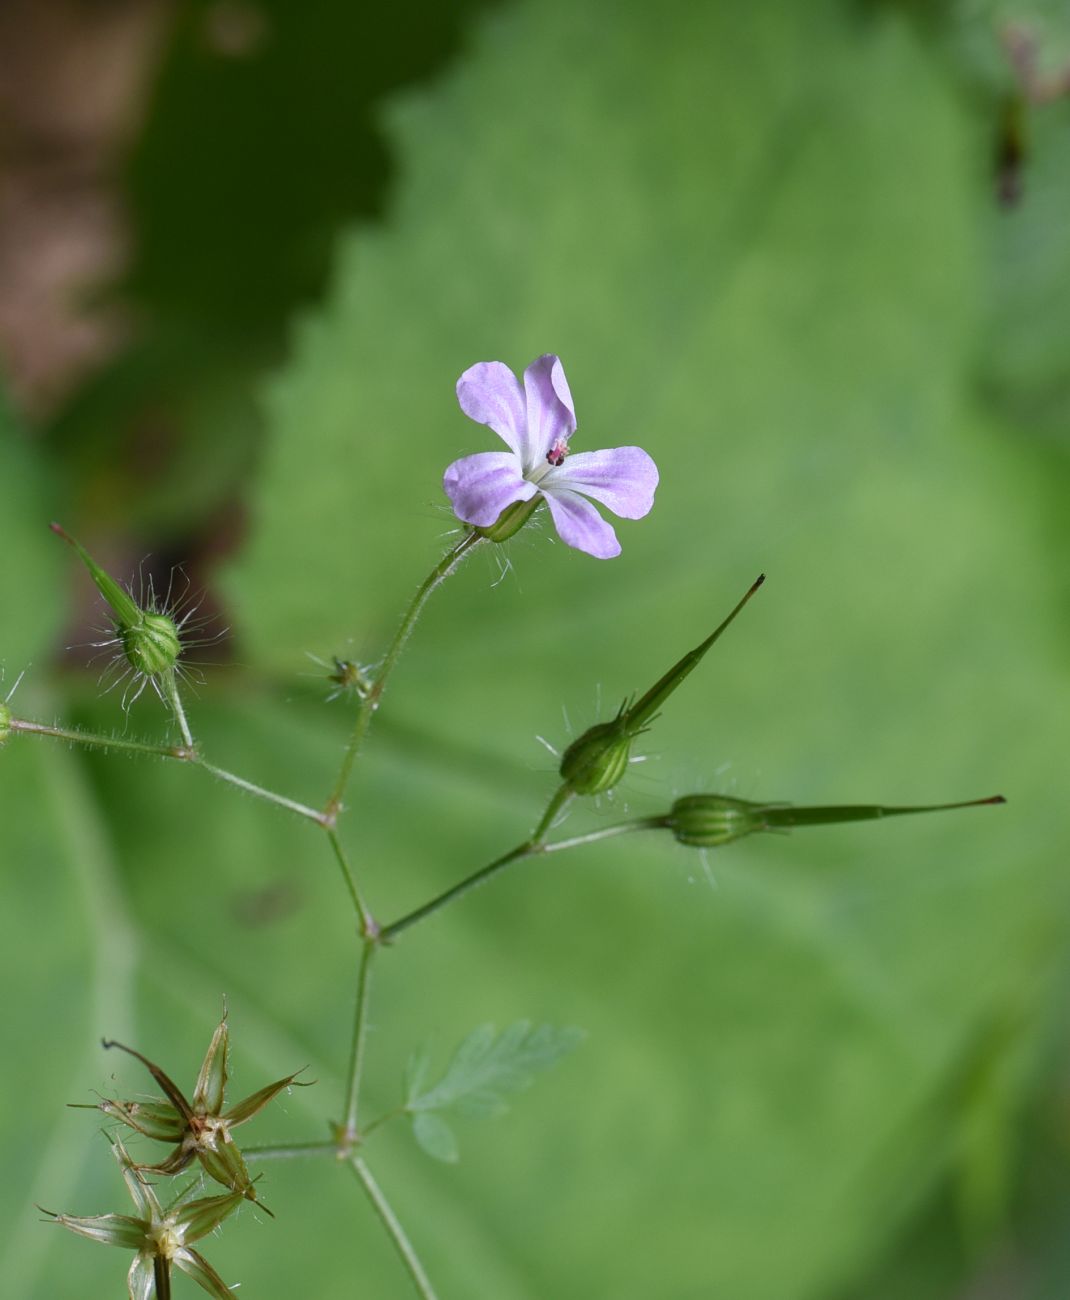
(5, 722)
(511, 520)
(706, 821)
(596, 761)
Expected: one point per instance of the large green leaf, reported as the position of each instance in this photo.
(753, 235)
(755, 238)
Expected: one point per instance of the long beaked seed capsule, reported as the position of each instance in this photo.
(150, 640)
(597, 760)
(709, 820)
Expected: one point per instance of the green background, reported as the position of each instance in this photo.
(766, 243)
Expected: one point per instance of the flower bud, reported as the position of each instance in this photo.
(596, 761)
(511, 520)
(706, 821)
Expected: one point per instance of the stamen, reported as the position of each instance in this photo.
(557, 453)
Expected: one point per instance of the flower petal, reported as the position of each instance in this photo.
(580, 525)
(481, 486)
(490, 393)
(622, 478)
(551, 414)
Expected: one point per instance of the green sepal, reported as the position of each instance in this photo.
(212, 1079)
(141, 1279)
(197, 1267)
(109, 1229)
(255, 1102)
(511, 520)
(225, 1163)
(597, 760)
(141, 1193)
(154, 1119)
(709, 820)
(200, 1217)
(171, 1088)
(152, 645)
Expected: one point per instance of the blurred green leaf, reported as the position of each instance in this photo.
(488, 1064)
(435, 1136)
(756, 236)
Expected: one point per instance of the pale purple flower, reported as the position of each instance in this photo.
(535, 422)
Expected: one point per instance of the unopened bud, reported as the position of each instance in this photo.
(596, 761)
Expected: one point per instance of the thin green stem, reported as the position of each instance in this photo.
(534, 847)
(396, 1232)
(181, 753)
(169, 688)
(367, 925)
(378, 1122)
(360, 1027)
(371, 701)
(291, 1151)
(607, 833)
(280, 800)
(93, 740)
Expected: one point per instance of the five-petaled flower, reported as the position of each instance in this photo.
(536, 422)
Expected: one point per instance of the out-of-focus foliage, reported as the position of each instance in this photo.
(765, 241)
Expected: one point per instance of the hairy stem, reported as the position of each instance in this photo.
(181, 753)
(280, 800)
(396, 1232)
(169, 691)
(92, 740)
(373, 698)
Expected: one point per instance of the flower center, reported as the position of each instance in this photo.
(557, 453)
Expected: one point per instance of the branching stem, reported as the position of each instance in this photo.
(534, 847)
(180, 753)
